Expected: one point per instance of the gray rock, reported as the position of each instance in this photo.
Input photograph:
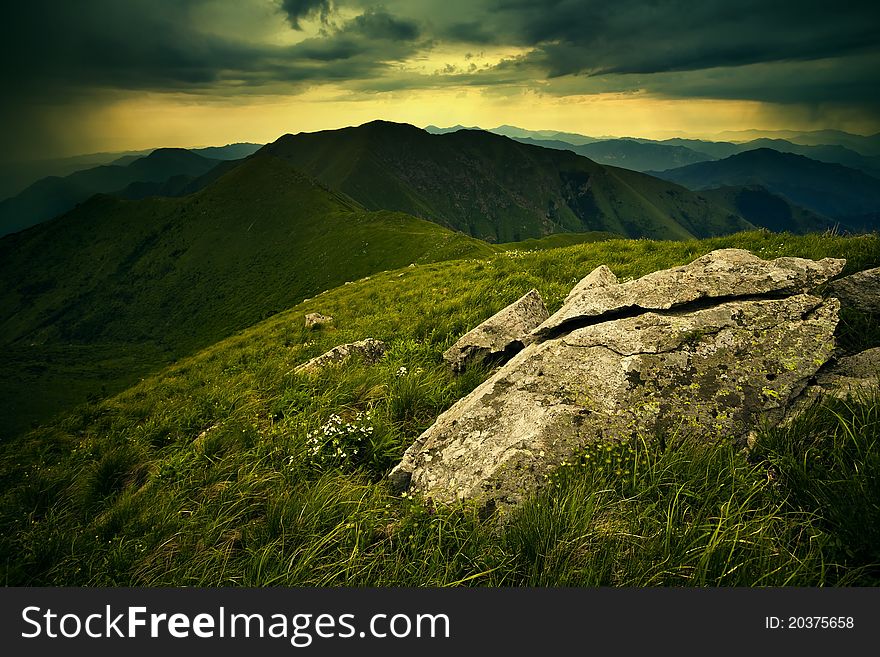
(315, 320)
(860, 291)
(717, 372)
(850, 375)
(717, 275)
(369, 350)
(501, 336)
(601, 276)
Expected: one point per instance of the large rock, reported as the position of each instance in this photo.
(501, 336)
(860, 291)
(369, 350)
(717, 371)
(674, 351)
(717, 275)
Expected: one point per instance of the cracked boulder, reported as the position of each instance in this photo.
(369, 350)
(499, 337)
(725, 273)
(713, 370)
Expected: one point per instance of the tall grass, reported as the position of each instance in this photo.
(204, 474)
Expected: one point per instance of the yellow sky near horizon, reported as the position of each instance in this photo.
(160, 119)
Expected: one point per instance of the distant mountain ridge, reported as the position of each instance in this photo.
(651, 155)
(496, 188)
(53, 196)
(832, 190)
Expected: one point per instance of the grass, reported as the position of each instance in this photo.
(208, 472)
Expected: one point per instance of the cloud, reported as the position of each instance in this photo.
(68, 54)
(297, 10)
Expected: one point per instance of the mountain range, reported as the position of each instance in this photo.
(53, 196)
(497, 189)
(649, 155)
(188, 250)
(833, 190)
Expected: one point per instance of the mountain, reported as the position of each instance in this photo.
(768, 210)
(139, 282)
(52, 196)
(832, 190)
(519, 133)
(15, 176)
(713, 149)
(864, 144)
(495, 188)
(235, 151)
(832, 154)
(628, 153)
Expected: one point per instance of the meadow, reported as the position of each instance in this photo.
(230, 469)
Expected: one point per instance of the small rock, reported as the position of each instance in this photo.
(370, 350)
(316, 320)
(501, 336)
(851, 374)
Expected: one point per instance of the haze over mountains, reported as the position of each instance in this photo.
(162, 170)
(855, 151)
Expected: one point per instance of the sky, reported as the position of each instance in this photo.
(108, 75)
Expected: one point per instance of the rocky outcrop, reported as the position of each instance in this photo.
(725, 273)
(316, 320)
(645, 357)
(501, 336)
(859, 291)
(368, 350)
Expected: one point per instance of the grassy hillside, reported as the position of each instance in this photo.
(203, 474)
(832, 190)
(497, 189)
(160, 277)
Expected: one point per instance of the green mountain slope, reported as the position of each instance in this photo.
(52, 196)
(768, 210)
(171, 275)
(829, 189)
(202, 474)
(495, 188)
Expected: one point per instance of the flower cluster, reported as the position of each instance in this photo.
(339, 441)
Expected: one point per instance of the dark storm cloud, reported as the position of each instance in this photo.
(630, 36)
(297, 10)
(379, 24)
(56, 53)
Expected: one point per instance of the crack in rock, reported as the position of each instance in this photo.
(712, 360)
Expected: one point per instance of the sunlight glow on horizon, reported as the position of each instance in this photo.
(154, 120)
